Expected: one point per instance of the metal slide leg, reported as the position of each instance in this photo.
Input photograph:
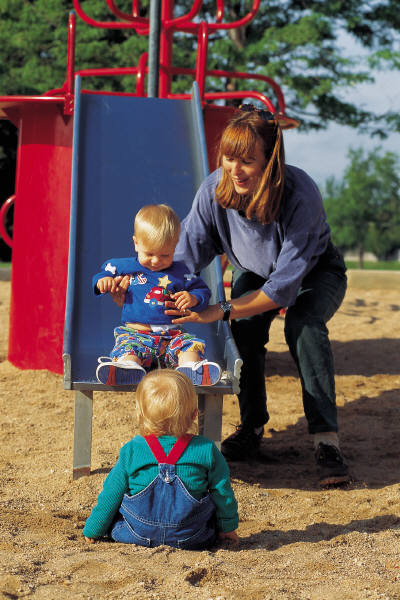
(210, 416)
(82, 433)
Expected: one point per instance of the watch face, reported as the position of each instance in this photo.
(226, 307)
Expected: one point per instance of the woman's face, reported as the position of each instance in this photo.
(245, 172)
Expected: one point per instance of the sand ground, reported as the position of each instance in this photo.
(297, 542)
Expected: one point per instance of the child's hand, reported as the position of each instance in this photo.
(116, 286)
(90, 540)
(105, 284)
(229, 536)
(121, 284)
(184, 300)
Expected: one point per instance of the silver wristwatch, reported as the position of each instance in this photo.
(226, 307)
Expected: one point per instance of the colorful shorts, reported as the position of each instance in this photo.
(150, 345)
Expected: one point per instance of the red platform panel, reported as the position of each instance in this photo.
(41, 236)
(215, 120)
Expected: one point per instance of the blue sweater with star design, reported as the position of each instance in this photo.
(282, 252)
(148, 290)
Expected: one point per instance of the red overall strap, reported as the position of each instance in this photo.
(176, 451)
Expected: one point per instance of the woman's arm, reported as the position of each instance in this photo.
(246, 306)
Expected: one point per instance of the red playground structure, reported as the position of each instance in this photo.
(44, 160)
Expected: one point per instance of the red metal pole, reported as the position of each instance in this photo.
(180, 21)
(3, 215)
(141, 72)
(135, 8)
(140, 24)
(134, 17)
(241, 22)
(71, 53)
(167, 12)
(220, 11)
(118, 13)
(201, 60)
(69, 83)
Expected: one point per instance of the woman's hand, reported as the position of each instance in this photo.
(105, 284)
(212, 313)
(246, 306)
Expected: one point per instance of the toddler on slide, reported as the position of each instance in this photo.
(152, 278)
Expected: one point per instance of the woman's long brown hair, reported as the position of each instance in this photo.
(238, 141)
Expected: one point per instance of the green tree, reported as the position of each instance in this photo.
(363, 209)
(33, 55)
(297, 43)
(293, 41)
(384, 232)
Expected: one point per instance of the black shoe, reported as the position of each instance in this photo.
(242, 444)
(332, 467)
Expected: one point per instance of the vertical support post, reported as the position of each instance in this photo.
(69, 83)
(201, 60)
(71, 53)
(82, 433)
(210, 416)
(166, 36)
(154, 48)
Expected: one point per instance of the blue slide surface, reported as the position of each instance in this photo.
(127, 152)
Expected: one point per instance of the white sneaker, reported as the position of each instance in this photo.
(111, 372)
(202, 372)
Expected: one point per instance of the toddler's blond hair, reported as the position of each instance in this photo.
(166, 403)
(157, 224)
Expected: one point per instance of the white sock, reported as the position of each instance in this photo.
(131, 364)
(326, 437)
(194, 363)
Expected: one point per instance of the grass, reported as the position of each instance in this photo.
(385, 265)
(392, 265)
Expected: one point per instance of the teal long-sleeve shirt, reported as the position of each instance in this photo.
(202, 469)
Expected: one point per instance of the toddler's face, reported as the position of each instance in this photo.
(155, 259)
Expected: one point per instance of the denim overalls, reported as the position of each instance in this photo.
(164, 512)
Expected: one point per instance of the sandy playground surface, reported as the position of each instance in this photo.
(297, 541)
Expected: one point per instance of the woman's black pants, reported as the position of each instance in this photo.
(319, 297)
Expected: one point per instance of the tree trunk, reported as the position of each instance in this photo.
(361, 257)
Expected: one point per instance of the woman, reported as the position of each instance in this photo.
(268, 218)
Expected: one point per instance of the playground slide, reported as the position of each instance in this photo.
(127, 152)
